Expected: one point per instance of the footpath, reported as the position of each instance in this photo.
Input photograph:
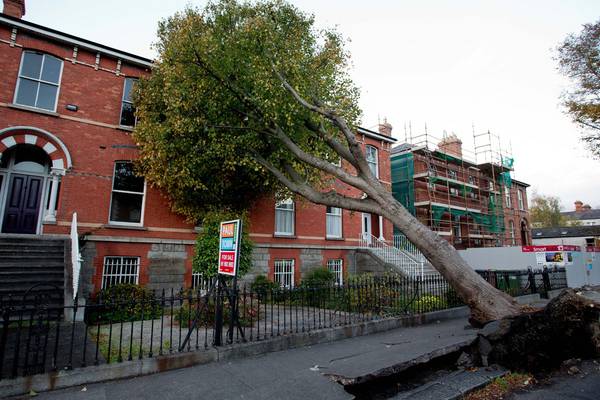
(312, 372)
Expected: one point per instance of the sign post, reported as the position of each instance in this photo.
(230, 235)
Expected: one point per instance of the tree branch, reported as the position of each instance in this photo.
(318, 163)
(330, 198)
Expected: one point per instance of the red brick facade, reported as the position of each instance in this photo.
(83, 139)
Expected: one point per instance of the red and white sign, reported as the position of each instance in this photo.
(592, 249)
(229, 240)
(535, 249)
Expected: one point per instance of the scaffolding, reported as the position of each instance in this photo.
(456, 191)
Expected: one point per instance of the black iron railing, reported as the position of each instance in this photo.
(37, 335)
(519, 283)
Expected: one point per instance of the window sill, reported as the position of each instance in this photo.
(129, 227)
(283, 236)
(33, 109)
(125, 128)
(335, 238)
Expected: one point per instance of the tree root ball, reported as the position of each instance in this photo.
(568, 327)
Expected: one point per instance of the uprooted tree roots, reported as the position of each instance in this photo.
(568, 327)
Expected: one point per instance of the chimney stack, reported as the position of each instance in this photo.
(385, 128)
(451, 145)
(14, 8)
(578, 206)
(586, 207)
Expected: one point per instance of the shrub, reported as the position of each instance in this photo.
(206, 256)
(428, 302)
(123, 302)
(185, 315)
(318, 278)
(262, 286)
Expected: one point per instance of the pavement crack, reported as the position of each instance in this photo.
(396, 343)
(348, 356)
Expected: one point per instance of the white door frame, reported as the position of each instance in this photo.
(366, 226)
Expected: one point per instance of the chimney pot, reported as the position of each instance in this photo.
(385, 128)
(451, 145)
(578, 206)
(14, 8)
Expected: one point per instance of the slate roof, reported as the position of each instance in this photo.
(565, 231)
(589, 214)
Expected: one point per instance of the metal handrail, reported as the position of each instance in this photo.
(401, 242)
(76, 258)
(392, 255)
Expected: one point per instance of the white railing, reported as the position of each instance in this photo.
(75, 255)
(401, 242)
(406, 263)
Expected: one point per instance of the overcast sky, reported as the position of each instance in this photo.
(452, 65)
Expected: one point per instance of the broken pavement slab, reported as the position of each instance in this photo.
(453, 385)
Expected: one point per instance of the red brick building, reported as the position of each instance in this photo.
(65, 146)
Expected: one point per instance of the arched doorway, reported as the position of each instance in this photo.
(24, 180)
(525, 241)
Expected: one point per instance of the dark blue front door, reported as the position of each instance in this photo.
(22, 204)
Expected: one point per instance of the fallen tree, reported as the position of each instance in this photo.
(251, 99)
(568, 327)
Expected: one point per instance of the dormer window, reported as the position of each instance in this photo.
(39, 81)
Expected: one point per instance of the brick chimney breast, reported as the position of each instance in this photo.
(451, 145)
(385, 128)
(578, 206)
(14, 8)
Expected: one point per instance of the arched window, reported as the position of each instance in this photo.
(372, 160)
(39, 81)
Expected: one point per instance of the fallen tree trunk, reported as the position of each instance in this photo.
(568, 327)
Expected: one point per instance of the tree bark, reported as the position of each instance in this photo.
(486, 302)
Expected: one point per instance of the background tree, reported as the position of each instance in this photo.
(579, 59)
(255, 94)
(546, 212)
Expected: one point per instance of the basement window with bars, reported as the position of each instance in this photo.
(284, 273)
(335, 267)
(120, 270)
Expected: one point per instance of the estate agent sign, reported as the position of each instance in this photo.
(229, 245)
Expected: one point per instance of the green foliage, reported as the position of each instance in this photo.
(579, 60)
(429, 302)
(214, 98)
(206, 257)
(262, 286)
(545, 212)
(124, 302)
(318, 277)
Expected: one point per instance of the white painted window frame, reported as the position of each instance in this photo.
(283, 270)
(44, 55)
(291, 211)
(507, 198)
(123, 101)
(372, 162)
(336, 267)
(511, 227)
(520, 199)
(112, 190)
(121, 276)
(330, 216)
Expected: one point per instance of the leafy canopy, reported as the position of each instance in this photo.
(215, 94)
(546, 212)
(579, 59)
